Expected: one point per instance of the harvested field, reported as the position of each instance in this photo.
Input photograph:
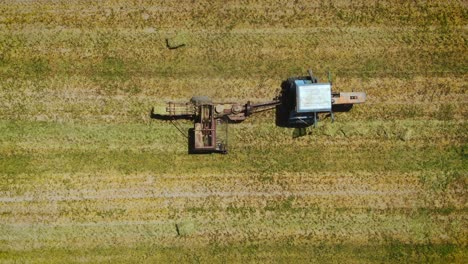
(87, 176)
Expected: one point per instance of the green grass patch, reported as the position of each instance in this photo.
(253, 252)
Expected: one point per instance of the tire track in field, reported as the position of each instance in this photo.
(134, 194)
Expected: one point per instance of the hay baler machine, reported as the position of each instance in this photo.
(300, 101)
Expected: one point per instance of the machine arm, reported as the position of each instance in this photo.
(233, 111)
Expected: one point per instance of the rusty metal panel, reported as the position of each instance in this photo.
(349, 98)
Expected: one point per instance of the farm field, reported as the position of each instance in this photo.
(87, 176)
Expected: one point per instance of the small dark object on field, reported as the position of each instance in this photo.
(171, 47)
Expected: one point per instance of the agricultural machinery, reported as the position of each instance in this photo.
(298, 104)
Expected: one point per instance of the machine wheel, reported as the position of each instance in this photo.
(191, 141)
(281, 117)
(342, 108)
